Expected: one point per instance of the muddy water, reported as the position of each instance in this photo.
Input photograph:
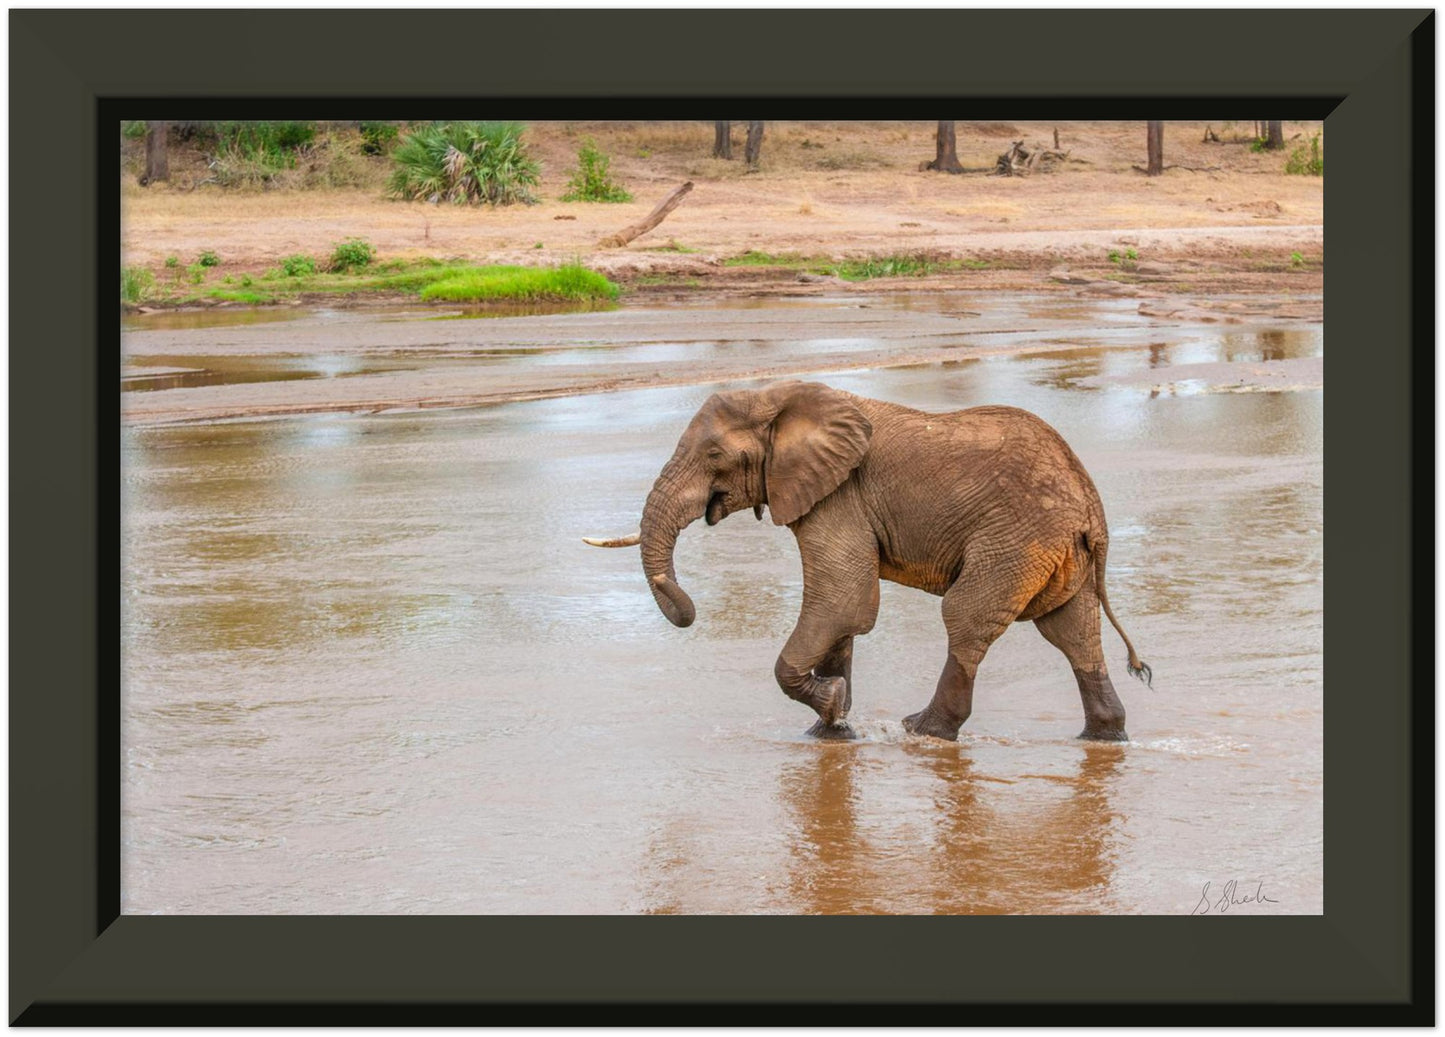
(369, 666)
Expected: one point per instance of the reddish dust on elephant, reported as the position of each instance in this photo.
(987, 507)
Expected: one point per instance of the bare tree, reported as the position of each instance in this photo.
(946, 156)
(722, 142)
(1156, 148)
(754, 145)
(157, 161)
(1274, 139)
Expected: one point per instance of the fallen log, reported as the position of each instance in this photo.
(626, 234)
(1021, 161)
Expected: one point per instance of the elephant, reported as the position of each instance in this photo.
(987, 507)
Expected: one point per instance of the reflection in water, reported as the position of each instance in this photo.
(1270, 344)
(219, 317)
(368, 666)
(963, 843)
(1027, 858)
(507, 308)
(833, 869)
(192, 372)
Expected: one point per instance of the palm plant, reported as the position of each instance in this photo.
(464, 162)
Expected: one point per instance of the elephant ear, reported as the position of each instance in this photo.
(818, 436)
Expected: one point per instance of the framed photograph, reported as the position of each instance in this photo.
(321, 710)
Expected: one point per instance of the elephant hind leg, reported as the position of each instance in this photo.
(1073, 628)
(978, 608)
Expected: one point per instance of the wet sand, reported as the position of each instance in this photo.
(368, 665)
(412, 359)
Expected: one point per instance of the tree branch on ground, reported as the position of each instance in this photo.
(652, 219)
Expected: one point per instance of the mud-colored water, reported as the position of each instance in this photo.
(369, 666)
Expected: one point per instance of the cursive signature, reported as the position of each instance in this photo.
(1232, 895)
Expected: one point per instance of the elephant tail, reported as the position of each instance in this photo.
(1137, 667)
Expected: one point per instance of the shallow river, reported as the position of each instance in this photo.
(370, 667)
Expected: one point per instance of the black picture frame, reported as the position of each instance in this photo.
(1369, 959)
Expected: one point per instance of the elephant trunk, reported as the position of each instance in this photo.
(669, 509)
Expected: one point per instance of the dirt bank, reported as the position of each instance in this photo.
(1222, 218)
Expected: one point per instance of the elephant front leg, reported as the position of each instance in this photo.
(840, 601)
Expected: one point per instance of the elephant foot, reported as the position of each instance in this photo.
(1103, 734)
(830, 700)
(842, 731)
(927, 722)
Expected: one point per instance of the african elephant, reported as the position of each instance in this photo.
(987, 507)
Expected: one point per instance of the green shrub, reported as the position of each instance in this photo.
(133, 129)
(377, 138)
(298, 266)
(465, 162)
(251, 153)
(197, 272)
(591, 180)
(209, 258)
(1306, 161)
(351, 254)
(275, 142)
(135, 283)
(172, 262)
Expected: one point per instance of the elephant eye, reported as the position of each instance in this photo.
(715, 453)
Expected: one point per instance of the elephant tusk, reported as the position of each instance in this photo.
(627, 541)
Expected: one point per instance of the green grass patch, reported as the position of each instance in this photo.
(135, 283)
(427, 278)
(250, 298)
(886, 266)
(752, 257)
(527, 284)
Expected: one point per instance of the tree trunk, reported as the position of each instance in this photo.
(157, 161)
(946, 155)
(1156, 148)
(1275, 139)
(722, 143)
(754, 144)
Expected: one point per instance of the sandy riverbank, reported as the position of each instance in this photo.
(1222, 218)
